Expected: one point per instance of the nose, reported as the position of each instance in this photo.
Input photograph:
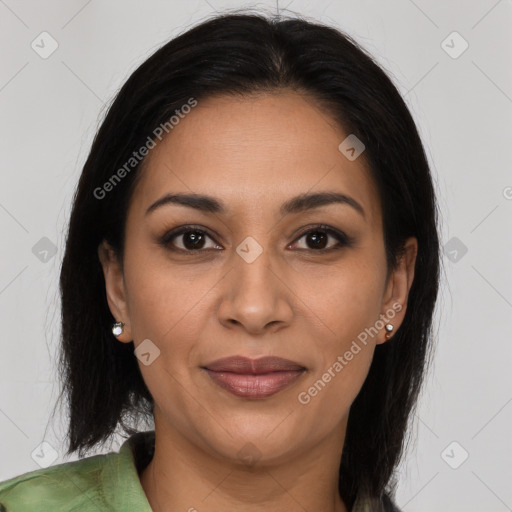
(255, 295)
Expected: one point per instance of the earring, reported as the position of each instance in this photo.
(117, 328)
(389, 328)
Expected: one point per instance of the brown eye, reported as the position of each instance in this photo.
(193, 240)
(187, 239)
(317, 239)
(190, 239)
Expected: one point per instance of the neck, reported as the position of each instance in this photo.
(183, 476)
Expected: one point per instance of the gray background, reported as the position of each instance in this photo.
(462, 102)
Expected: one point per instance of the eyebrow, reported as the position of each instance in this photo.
(300, 203)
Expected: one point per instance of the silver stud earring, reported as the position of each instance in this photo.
(389, 328)
(117, 328)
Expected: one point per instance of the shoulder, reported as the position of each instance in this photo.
(67, 486)
(101, 482)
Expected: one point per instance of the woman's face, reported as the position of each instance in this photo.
(254, 283)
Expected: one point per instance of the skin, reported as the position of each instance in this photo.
(252, 153)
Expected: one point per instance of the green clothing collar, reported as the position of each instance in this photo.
(105, 482)
(120, 476)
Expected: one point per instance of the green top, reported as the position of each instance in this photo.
(107, 482)
(92, 484)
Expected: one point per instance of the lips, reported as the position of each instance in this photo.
(254, 378)
(240, 364)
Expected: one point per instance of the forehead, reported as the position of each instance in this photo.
(253, 153)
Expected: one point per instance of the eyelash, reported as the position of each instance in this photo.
(343, 239)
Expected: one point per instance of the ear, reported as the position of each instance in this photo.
(115, 289)
(397, 289)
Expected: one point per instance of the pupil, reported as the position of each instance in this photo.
(315, 238)
(195, 239)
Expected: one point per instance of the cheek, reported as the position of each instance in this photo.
(342, 313)
(166, 304)
(341, 301)
(343, 355)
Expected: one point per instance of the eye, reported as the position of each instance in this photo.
(191, 239)
(318, 237)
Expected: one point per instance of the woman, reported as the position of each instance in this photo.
(252, 262)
